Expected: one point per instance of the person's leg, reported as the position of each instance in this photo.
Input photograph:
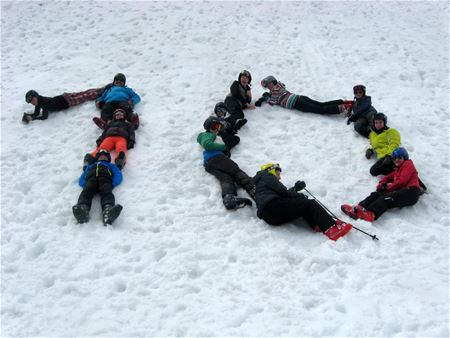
(305, 104)
(120, 144)
(121, 150)
(74, 99)
(236, 113)
(362, 127)
(230, 167)
(89, 190)
(379, 168)
(105, 191)
(227, 184)
(283, 210)
(107, 144)
(395, 199)
(323, 104)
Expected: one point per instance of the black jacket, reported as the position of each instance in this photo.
(240, 93)
(118, 128)
(268, 187)
(49, 104)
(362, 107)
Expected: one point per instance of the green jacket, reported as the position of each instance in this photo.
(385, 142)
(207, 141)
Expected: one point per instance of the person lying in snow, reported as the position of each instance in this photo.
(361, 111)
(217, 162)
(45, 105)
(116, 95)
(119, 135)
(278, 205)
(279, 95)
(99, 177)
(398, 189)
(383, 141)
(239, 98)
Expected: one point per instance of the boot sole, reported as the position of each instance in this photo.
(80, 216)
(113, 214)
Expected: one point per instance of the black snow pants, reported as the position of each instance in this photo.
(286, 209)
(229, 174)
(101, 185)
(305, 104)
(379, 202)
(235, 109)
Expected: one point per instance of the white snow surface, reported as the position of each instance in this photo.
(176, 263)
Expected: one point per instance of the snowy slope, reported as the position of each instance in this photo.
(176, 263)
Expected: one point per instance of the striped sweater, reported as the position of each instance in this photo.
(281, 96)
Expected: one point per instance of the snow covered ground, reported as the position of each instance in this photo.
(176, 263)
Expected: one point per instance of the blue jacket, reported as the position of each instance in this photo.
(95, 168)
(119, 93)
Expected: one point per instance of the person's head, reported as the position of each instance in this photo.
(103, 155)
(268, 82)
(119, 80)
(359, 90)
(221, 109)
(213, 124)
(31, 97)
(379, 121)
(119, 114)
(399, 155)
(245, 78)
(272, 168)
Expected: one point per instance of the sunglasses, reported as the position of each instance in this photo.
(359, 91)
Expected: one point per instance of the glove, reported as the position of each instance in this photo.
(299, 185)
(349, 120)
(130, 144)
(26, 118)
(266, 95)
(259, 102)
(369, 153)
(98, 141)
(387, 160)
(227, 152)
(381, 187)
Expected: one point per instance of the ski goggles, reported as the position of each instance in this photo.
(275, 167)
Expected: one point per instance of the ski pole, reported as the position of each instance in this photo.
(374, 237)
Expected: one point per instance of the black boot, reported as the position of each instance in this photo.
(232, 202)
(88, 159)
(240, 123)
(110, 213)
(81, 213)
(120, 160)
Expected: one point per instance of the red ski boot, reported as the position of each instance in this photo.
(364, 214)
(349, 210)
(338, 230)
(358, 212)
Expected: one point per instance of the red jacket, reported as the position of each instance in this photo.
(403, 176)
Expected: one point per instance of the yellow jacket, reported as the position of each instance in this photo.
(385, 142)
